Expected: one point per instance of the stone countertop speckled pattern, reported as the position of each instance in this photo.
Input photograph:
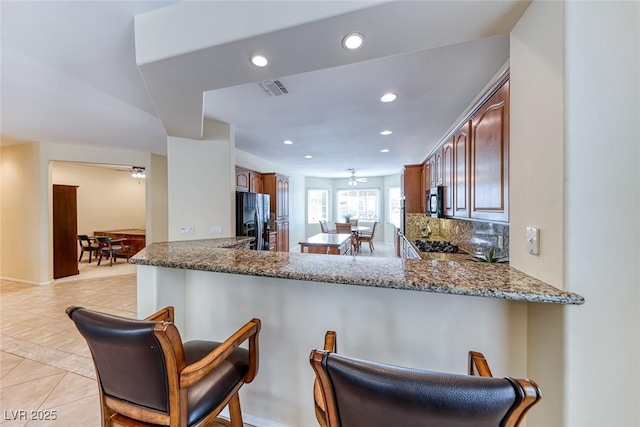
(459, 277)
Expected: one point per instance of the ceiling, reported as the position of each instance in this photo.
(69, 75)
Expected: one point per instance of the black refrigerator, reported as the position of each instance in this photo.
(252, 218)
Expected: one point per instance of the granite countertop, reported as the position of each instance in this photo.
(455, 277)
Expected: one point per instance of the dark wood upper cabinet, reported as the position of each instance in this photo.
(277, 187)
(461, 149)
(413, 182)
(248, 180)
(447, 176)
(432, 171)
(255, 182)
(490, 158)
(426, 185)
(242, 179)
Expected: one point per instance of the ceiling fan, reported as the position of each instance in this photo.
(353, 180)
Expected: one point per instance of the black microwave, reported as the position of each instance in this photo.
(435, 202)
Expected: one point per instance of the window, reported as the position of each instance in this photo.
(361, 204)
(317, 205)
(394, 206)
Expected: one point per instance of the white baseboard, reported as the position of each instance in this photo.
(28, 282)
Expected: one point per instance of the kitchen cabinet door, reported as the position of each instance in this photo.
(461, 149)
(426, 185)
(255, 182)
(447, 177)
(413, 189)
(490, 158)
(432, 171)
(277, 187)
(248, 180)
(242, 179)
(282, 240)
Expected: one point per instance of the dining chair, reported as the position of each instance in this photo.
(111, 248)
(147, 377)
(345, 228)
(350, 392)
(324, 228)
(366, 236)
(87, 245)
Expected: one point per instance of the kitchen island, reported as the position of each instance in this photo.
(416, 313)
(327, 244)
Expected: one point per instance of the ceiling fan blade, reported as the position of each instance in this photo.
(361, 179)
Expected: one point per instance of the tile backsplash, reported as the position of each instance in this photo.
(471, 236)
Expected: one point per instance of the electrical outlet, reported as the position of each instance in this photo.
(500, 242)
(215, 229)
(533, 240)
(186, 230)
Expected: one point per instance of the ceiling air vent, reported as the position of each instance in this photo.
(273, 88)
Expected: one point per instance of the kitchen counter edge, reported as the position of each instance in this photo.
(454, 277)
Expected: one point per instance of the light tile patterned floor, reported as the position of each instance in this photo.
(44, 362)
(45, 367)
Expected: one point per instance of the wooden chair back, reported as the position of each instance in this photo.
(144, 371)
(352, 392)
(343, 227)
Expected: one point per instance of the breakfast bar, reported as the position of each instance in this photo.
(415, 313)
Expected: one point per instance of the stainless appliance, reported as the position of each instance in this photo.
(252, 218)
(435, 202)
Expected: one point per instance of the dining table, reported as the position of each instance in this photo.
(357, 229)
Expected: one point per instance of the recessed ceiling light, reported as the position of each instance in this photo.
(259, 60)
(384, 150)
(288, 142)
(388, 97)
(308, 157)
(386, 132)
(352, 41)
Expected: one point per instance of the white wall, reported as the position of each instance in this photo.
(107, 199)
(201, 189)
(157, 200)
(537, 188)
(23, 235)
(27, 199)
(537, 140)
(602, 202)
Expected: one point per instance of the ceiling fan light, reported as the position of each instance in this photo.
(385, 150)
(386, 132)
(138, 172)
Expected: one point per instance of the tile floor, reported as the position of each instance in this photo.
(45, 366)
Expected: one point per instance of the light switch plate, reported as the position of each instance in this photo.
(533, 240)
(186, 230)
(215, 229)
